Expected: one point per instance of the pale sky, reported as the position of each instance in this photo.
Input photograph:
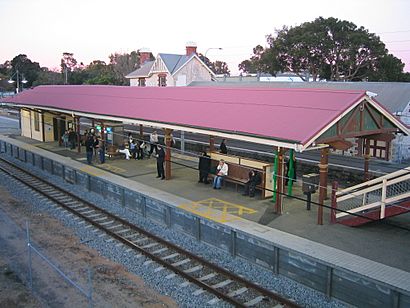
(93, 29)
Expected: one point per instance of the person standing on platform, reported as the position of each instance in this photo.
(96, 145)
(71, 138)
(221, 173)
(222, 148)
(160, 162)
(153, 139)
(89, 148)
(101, 150)
(140, 149)
(65, 139)
(253, 181)
(204, 167)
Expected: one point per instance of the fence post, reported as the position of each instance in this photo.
(383, 201)
(335, 185)
(30, 276)
(90, 288)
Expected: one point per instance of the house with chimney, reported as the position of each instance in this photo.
(170, 70)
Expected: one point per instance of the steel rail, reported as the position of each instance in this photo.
(186, 254)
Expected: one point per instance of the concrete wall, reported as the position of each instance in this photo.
(333, 281)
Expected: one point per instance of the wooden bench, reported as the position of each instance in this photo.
(112, 151)
(238, 171)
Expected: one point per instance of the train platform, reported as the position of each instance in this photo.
(376, 241)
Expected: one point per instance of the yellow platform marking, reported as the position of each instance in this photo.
(111, 168)
(91, 170)
(217, 210)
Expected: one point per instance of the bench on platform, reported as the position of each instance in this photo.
(112, 151)
(238, 171)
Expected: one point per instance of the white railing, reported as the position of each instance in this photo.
(377, 193)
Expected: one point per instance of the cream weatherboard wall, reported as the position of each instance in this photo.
(48, 127)
(32, 125)
(25, 123)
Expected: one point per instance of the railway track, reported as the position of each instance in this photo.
(225, 285)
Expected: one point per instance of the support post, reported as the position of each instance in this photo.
(323, 168)
(275, 175)
(291, 171)
(43, 133)
(59, 131)
(366, 160)
(383, 201)
(167, 138)
(141, 132)
(78, 134)
(182, 142)
(279, 191)
(335, 185)
(211, 144)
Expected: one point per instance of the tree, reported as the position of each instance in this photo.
(26, 68)
(98, 72)
(262, 61)
(47, 76)
(68, 63)
(218, 67)
(221, 67)
(123, 64)
(326, 48)
(388, 68)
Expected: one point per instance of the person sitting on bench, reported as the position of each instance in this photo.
(250, 185)
(221, 172)
(124, 150)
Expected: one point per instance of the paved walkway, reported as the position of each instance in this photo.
(377, 241)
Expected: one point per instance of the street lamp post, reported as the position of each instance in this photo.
(23, 81)
(218, 48)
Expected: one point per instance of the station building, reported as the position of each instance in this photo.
(288, 120)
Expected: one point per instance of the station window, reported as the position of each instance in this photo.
(141, 82)
(36, 122)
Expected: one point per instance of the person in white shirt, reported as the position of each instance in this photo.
(221, 172)
(125, 150)
(153, 140)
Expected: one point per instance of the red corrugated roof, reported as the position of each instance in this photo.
(294, 115)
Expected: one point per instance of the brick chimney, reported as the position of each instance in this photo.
(190, 48)
(145, 55)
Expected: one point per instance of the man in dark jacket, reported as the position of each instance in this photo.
(160, 162)
(71, 138)
(89, 148)
(250, 186)
(204, 167)
(222, 148)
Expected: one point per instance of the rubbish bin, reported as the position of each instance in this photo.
(310, 183)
